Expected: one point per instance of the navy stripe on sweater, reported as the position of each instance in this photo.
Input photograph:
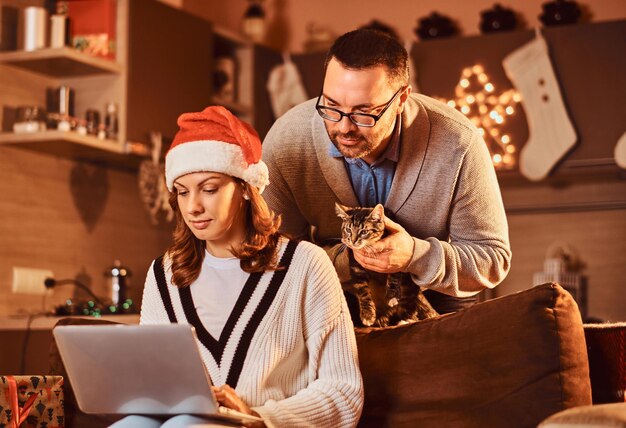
(259, 313)
(159, 274)
(216, 347)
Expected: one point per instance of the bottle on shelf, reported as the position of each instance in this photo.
(110, 121)
(60, 26)
(81, 127)
(102, 134)
(35, 20)
(30, 118)
(60, 103)
(119, 285)
(92, 121)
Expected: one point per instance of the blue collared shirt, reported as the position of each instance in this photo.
(372, 183)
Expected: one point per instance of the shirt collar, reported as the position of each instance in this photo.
(392, 152)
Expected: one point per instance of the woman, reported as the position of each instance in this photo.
(273, 328)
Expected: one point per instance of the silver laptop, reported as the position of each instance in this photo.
(140, 370)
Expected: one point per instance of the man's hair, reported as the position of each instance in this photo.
(366, 48)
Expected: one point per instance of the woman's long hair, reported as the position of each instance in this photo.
(257, 252)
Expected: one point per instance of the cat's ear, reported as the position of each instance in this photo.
(377, 213)
(341, 210)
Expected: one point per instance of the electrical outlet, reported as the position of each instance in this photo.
(30, 281)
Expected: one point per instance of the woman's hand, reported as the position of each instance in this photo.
(227, 397)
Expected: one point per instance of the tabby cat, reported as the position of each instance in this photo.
(384, 299)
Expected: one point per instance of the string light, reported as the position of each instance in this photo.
(476, 98)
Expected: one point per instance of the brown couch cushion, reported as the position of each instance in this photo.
(611, 415)
(507, 362)
(606, 349)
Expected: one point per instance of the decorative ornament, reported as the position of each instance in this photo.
(285, 87)
(476, 98)
(377, 25)
(152, 189)
(560, 12)
(436, 26)
(89, 185)
(253, 25)
(497, 19)
(551, 134)
(563, 265)
(319, 38)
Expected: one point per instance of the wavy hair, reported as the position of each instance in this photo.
(257, 252)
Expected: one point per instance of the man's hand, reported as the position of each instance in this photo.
(391, 254)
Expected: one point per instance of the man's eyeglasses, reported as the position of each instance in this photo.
(359, 119)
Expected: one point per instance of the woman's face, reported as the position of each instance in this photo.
(212, 206)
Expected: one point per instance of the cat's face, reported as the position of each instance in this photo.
(361, 226)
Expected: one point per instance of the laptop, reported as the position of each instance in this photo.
(140, 370)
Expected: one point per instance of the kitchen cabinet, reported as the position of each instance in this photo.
(95, 81)
(164, 65)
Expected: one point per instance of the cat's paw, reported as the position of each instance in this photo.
(368, 319)
(392, 302)
(406, 314)
(382, 322)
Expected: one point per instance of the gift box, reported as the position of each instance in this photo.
(31, 402)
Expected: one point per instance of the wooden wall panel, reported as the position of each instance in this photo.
(169, 67)
(587, 59)
(74, 219)
(599, 238)
(264, 61)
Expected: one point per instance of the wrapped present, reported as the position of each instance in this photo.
(31, 402)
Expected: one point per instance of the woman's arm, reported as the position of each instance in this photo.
(334, 397)
(151, 304)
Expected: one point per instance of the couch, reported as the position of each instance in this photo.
(508, 362)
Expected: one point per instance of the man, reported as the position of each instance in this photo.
(366, 140)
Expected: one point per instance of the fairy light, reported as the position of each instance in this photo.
(476, 97)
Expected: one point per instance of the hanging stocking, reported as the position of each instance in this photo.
(551, 132)
(285, 87)
(620, 151)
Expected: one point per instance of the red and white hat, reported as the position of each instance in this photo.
(215, 140)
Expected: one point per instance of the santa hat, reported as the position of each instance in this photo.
(215, 140)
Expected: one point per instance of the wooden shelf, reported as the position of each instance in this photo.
(74, 146)
(567, 171)
(60, 62)
(230, 36)
(47, 322)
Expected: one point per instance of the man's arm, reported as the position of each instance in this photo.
(278, 194)
(477, 254)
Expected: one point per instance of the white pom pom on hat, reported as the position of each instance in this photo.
(216, 140)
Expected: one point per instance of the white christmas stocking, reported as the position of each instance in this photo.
(620, 151)
(285, 87)
(551, 133)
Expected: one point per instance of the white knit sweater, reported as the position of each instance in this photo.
(295, 364)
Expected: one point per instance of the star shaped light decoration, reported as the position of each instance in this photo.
(476, 98)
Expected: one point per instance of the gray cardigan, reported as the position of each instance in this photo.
(445, 193)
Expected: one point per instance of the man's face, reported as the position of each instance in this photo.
(364, 91)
